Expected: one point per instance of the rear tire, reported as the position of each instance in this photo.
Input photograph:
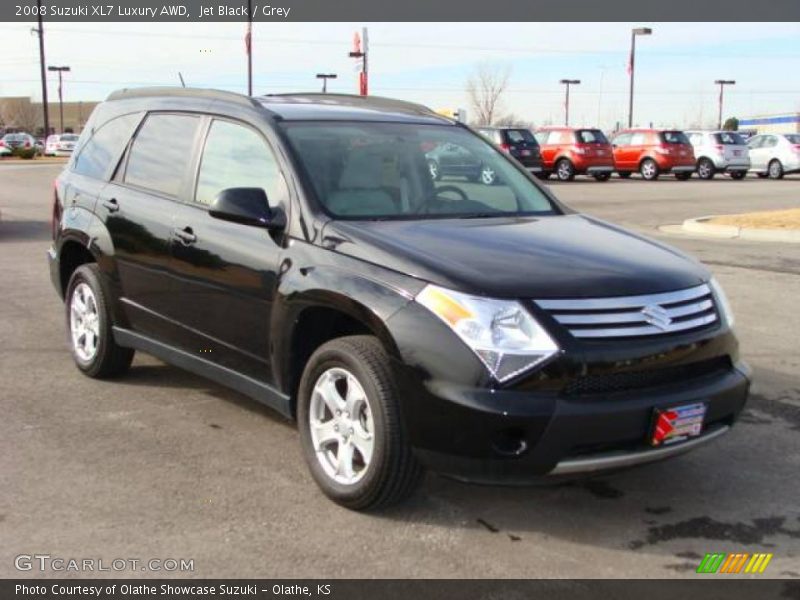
(565, 171)
(649, 169)
(602, 176)
(775, 169)
(705, 169)
(89, 333)
(382, 468)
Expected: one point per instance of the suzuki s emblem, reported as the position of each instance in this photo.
(656, 315)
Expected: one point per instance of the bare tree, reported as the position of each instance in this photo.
(485, 86)
(20, 113)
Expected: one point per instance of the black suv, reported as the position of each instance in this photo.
(296, 248)
(519, 143)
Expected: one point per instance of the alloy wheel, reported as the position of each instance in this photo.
(84, 322)
(341, 426)
(488, 175)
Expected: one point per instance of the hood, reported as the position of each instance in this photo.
(520, 257)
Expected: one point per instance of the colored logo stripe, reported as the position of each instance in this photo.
(719, 562)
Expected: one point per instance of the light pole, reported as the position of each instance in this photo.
(634, 33)
(722, 83)
(60, 70)
(248, 44)
(325, 77)
(40, 32)
(568, 82)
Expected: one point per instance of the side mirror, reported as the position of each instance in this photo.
(248, 206)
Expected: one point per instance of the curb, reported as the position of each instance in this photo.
(702, 226)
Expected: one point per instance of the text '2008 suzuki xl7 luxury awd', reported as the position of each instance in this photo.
(297, 249)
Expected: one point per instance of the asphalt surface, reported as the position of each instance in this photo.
(163, 464)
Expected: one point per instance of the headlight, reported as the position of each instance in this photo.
(722, 301)
(502, 333)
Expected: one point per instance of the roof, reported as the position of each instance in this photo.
(301, 106)
(348, 107)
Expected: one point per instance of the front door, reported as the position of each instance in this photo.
(226, 273)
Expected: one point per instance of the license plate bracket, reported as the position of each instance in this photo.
(677, 423)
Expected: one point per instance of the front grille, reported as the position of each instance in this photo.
(634, 316)
(623, 381)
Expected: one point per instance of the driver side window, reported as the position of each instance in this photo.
(237, 156)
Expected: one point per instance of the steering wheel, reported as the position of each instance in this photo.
(443, 189)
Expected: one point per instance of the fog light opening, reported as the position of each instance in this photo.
(510, 442)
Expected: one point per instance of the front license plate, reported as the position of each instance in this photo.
(676, 424)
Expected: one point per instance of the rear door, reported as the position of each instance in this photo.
(226, 273)
(758, 153)
(139, 207)
(622, 152)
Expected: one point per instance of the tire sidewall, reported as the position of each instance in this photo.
(87, 274)
(652, 177)
(326, 358)
(565, 175)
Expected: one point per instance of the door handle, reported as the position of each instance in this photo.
(112, 205)
(185, 235)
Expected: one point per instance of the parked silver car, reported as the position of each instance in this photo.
(775, 155)
(720, 152)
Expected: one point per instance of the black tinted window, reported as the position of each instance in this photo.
(793, 138)
(237, 156)
(591, 136)
(729, 138)
(104, 146)
(161, 153)
(520, 136)
(674, 137)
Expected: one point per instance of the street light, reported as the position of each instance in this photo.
(634, 33)
(568, 82)
(60, 70)
(722, 83)
(325, 77)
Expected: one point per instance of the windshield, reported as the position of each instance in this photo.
(591, 136)
(674, 137)
(793, 138)
(367, 170)
(729, 138)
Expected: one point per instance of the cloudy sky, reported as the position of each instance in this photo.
(430, 63)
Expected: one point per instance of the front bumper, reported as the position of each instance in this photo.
(519, 436)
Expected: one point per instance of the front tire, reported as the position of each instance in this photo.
(705, 169)
(565, 171)
(89, 333)
(775, 170)
(649, 169)
(350, 427)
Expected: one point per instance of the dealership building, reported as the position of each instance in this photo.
(784, 123)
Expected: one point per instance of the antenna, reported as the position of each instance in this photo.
(183, 83)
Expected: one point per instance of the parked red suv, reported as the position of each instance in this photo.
(652, 152)
(568, 151)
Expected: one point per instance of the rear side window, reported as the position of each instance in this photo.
(729, 138)
(793, 138)
(104, 146)
(591, 136)
(161, 152)
(673, 137)
(237, 156)
(623, 139)
(638, 139)
(520, 136)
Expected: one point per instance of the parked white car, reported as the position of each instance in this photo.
(775, 155)
(60, 145)
(720, 152)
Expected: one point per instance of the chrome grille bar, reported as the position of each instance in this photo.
(628, 316)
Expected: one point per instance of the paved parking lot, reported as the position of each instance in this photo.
(163, 464)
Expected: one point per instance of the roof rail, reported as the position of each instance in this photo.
(349, 100)
(180, 92)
